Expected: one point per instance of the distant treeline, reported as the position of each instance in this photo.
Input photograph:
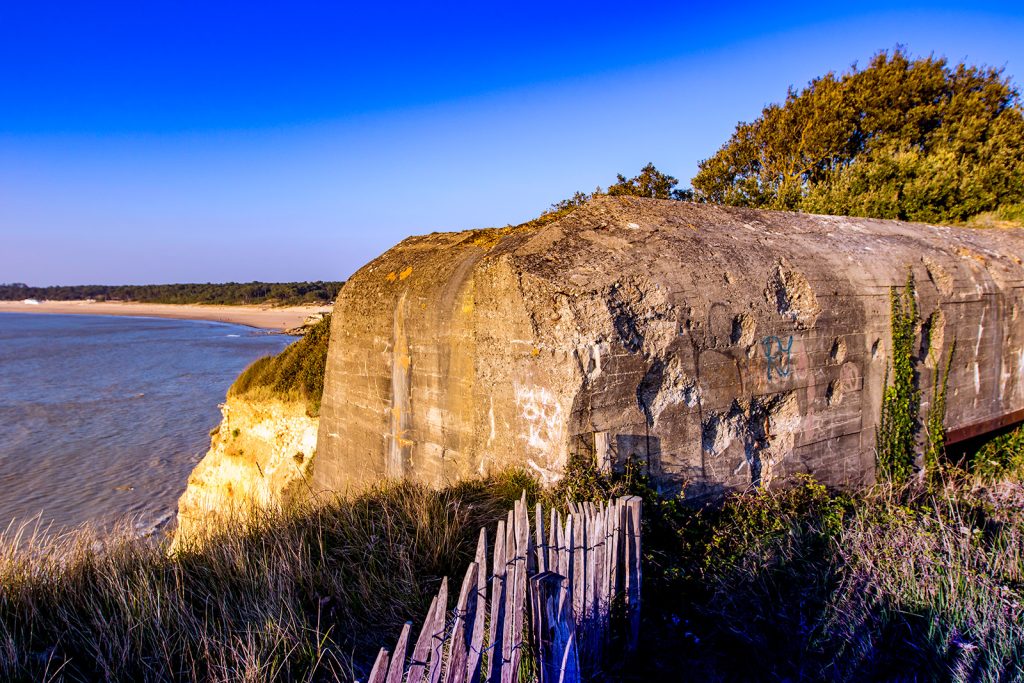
(281, 293)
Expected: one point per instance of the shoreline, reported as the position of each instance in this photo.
(278, 319)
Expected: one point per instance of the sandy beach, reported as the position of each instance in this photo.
(265, 317)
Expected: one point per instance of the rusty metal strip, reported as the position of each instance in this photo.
(984, 427)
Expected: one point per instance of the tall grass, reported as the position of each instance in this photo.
(306, 594)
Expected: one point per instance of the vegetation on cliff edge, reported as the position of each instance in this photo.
(295, 374)
(907, 138)
(915, 139)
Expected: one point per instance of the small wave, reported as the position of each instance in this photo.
(161, 523)
(232, 335)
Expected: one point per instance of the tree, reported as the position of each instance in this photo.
(651, 183)
(902, 138)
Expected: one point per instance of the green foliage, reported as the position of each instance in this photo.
(297, 373)
(1006, 216)
(229, 293)
(1000, 457)
(901, 401)
(935, 423)
(650, 183)
(914, 139)
(573, 202)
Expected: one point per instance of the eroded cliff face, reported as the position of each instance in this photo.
(723, 347)
(260, 457)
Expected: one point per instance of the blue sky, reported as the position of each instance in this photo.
(176, 141)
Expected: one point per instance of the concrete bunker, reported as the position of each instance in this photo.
(723, 347)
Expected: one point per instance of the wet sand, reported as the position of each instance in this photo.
(265, 317)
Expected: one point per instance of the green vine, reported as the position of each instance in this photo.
(935, 425)
(901, 402)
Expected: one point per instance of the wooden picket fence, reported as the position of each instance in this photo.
(550, 594)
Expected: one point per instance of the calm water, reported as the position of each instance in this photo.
(103, 417)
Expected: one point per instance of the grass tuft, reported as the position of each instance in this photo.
(295, 374)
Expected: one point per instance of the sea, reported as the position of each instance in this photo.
(102, 418)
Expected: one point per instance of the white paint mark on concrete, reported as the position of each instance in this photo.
(543, 416)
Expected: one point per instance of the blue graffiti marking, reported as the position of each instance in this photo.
(777, 355)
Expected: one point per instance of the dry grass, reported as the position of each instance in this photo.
(303, 595)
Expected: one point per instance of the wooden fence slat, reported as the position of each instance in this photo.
(476, 640)
(512, 564)
(554, 528)
(579, 566)
(396, 671)
(633, 576)
(519, 605)
(530, 549)
(565, 549)
(590, 582)
(510, 536)
(618, 544)
(541, 542)
(609, 558)
(597, 593)
(570, 669)
(511, 553)
(379, 672)
(437, 634)
(570, 665)
(465, 611)
(497, 605)
(421, 651)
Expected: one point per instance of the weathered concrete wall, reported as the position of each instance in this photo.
(723, 346)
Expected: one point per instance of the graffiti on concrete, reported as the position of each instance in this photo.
(777, 355)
